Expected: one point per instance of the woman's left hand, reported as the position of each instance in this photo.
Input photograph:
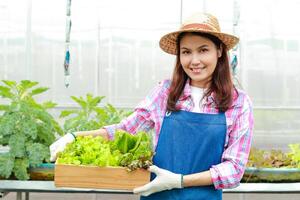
(165, 180)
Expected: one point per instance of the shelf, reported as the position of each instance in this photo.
(48, 186)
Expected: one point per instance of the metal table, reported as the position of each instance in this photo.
(7, 186)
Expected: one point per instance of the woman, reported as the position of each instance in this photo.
(203, 124)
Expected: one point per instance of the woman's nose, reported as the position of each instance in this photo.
(196, 59)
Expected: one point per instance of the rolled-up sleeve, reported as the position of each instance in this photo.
(230, 171)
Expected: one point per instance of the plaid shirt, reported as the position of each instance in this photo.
(149, 114)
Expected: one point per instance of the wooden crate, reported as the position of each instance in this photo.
(99, 177)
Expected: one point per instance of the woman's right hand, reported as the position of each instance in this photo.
(59, 145)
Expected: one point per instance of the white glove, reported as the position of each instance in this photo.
(59, 145)
(165, 180)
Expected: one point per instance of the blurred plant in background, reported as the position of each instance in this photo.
(26, 128)
(275, 158)
(90, 116)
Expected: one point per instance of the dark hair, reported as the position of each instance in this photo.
(221, 84)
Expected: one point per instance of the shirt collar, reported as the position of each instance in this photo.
(187, 93)
(208, 100)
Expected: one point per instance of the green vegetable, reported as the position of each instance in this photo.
(26, 127)
(294, 154)
(131, 151)
(124, 141)
(275, 158)
(90, 116)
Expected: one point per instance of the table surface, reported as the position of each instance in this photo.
(48, 186)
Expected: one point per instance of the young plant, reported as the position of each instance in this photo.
(26, 127)
(90, 116)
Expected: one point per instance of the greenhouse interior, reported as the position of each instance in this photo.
(161, 99)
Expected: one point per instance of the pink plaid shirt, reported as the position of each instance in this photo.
(149, 114)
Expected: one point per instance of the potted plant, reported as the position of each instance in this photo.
(94, 162)
(26, 128)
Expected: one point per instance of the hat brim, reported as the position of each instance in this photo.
(168, 42)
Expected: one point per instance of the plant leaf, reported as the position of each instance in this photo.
(7, 123)
(37, 153)
(17, 145)
(4, 140)
(28, 127)
(94, 101)
(48, 104)
(4, 107)
(66, 113)
(6, 164)
(26, 84)
(57, 127)
(5, 92)
(38, 91)
(80, 101)
(20, 168)
(11, 84)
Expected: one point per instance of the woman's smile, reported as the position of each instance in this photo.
(197, 70)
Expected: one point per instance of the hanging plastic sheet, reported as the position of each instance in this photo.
(66, 67)
(235, 51)
(67, 44)
(233, 64)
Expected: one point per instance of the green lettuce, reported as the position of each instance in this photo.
(127, 150)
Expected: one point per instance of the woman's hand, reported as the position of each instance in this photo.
(59, 145)
(165, 180)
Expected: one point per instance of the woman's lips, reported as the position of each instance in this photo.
(197, 69)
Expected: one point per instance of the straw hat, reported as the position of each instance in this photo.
(199, 22)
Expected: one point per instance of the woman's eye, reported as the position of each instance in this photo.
(203, 50)
(185, 52)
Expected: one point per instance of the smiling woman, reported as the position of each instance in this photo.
(186, 133)
(203, 58)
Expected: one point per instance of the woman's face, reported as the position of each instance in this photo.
(198, 57)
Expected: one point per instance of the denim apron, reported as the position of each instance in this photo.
(190, 143)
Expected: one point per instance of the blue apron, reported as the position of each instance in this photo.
(190, 143)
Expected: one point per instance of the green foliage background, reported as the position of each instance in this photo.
(28, 129)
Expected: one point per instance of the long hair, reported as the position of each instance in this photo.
(221, 83)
